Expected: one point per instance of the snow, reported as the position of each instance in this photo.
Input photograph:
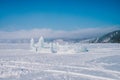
(100, 62)
(56, 47)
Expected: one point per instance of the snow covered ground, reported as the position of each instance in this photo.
(101, 62)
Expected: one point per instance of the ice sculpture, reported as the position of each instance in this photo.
(79, 49)
(41, 42)
(38, 45)
(55, 47)
(32, 43)
(84, 49)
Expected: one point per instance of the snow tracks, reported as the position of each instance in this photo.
(16, 69)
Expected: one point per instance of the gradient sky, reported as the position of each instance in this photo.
(58, 14)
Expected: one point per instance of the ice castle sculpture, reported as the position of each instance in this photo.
(55, 47)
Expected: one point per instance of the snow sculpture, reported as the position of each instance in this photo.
(54, 47)
(32, 43)
(79, 49)
(41, 42)
(84, 49)
(38, 45)
(33, 46)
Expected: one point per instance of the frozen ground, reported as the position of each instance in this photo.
(101, 62)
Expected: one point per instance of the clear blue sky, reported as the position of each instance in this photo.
(58, 14)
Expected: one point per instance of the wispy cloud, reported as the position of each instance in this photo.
(49, 33)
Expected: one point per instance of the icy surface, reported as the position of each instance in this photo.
(101, 62)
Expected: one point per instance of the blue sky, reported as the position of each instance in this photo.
(58, 14)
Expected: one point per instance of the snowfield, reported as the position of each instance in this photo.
(101, 62)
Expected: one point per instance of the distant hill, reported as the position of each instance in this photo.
(112, 37)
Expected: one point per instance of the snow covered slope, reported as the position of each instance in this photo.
(112, 37)
(101, 62)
